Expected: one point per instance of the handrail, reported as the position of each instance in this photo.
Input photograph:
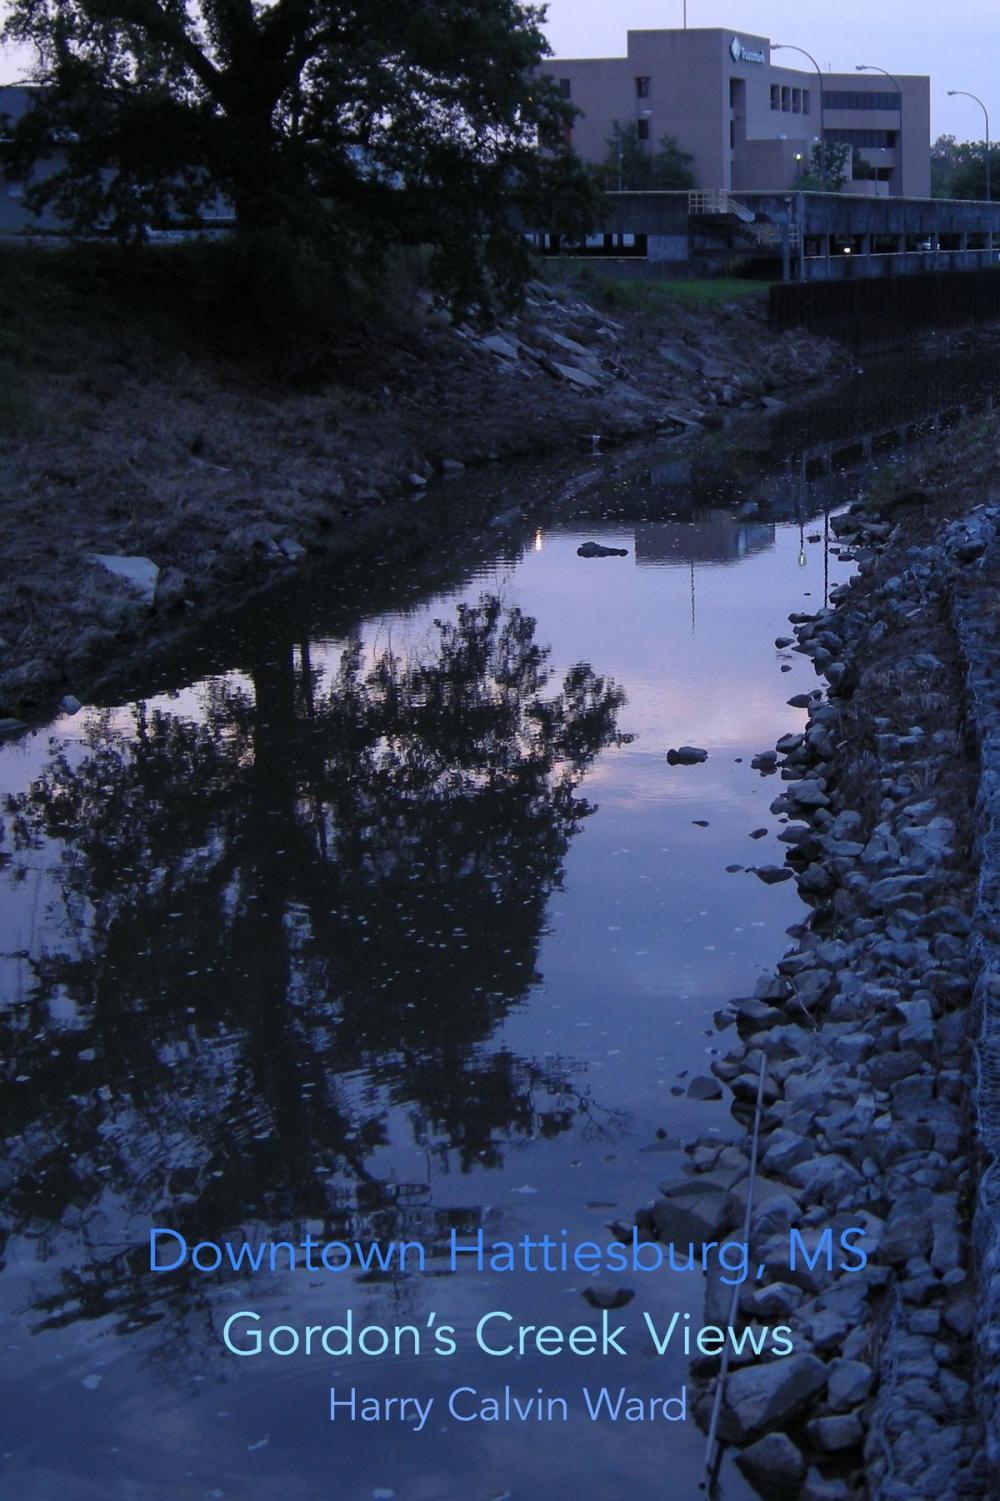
(717, 201)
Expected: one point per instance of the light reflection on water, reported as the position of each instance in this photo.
(400, 923)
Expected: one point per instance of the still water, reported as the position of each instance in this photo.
(377, 915)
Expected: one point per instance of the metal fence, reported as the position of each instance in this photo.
(877, 311)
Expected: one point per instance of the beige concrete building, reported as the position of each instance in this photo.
(748, 122)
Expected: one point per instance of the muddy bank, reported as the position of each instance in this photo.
(223, 483)
(875, 1039)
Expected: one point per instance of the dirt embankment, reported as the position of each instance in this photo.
(122, 438)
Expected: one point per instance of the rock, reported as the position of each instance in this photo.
(680, 358)
(776, 1303)
(689, 420)
(696, 1210)
(888, 1068)
(896, 891)
(762, 1398)
(597, 550)
(833, 1435)
(758, 833)
(849, 1385)
(807, 794)
(827, 1329)
(577, 377)
(704, 1088)
(772, 874)
(293, 551)
(818, 1489)
(785, 1150)
(827, 1178)
(497, 344)
(765, 761)
(789, 743)
(11, 726)
(140, 574)
(608, 1297)
(687, 755)
(69, 704)
(774, 1465)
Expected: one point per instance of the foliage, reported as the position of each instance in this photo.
(958, 168)
(862, 170)
(828, 168)
(631, 164)
(321, 122)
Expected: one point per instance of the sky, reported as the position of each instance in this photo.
(958, 45)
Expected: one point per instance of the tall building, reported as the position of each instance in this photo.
(747, 121)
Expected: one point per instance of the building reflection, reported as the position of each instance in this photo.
(715, 537)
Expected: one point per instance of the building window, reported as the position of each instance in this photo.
(873, 140)
(775, 96)
(796, 101)
(642, 88)
(805, 101)
(642, 127)
(859, 99)
(786, 98)
(732, 135)
(566, 87)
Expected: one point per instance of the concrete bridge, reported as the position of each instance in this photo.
(811, 236)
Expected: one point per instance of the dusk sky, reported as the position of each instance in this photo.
(957, 45)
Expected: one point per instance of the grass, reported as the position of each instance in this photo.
(652, 296)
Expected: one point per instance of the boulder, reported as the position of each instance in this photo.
(696, 1211)
(597, 550)
(687, 755)
(773, 1465)
(577, 377)
(763, 1398)
(772, 874)
(140, 574)
(704, 1088)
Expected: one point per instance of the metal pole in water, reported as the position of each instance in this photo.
(712, 1455)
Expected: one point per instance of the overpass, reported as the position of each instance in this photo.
(804, 236)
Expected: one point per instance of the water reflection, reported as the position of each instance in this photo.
(281, 937)
(713, 537)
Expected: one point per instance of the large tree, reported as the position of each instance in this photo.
(357, 124)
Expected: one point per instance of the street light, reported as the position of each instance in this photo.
(789, 47)
(872, 68)
(966, 95)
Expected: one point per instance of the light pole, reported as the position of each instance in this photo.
(872, 68)
(986, 114)
(789, 47)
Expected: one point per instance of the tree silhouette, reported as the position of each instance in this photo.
(275, 927)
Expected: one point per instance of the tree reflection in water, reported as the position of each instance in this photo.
(281, 932)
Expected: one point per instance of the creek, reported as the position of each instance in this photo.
(375, 918)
